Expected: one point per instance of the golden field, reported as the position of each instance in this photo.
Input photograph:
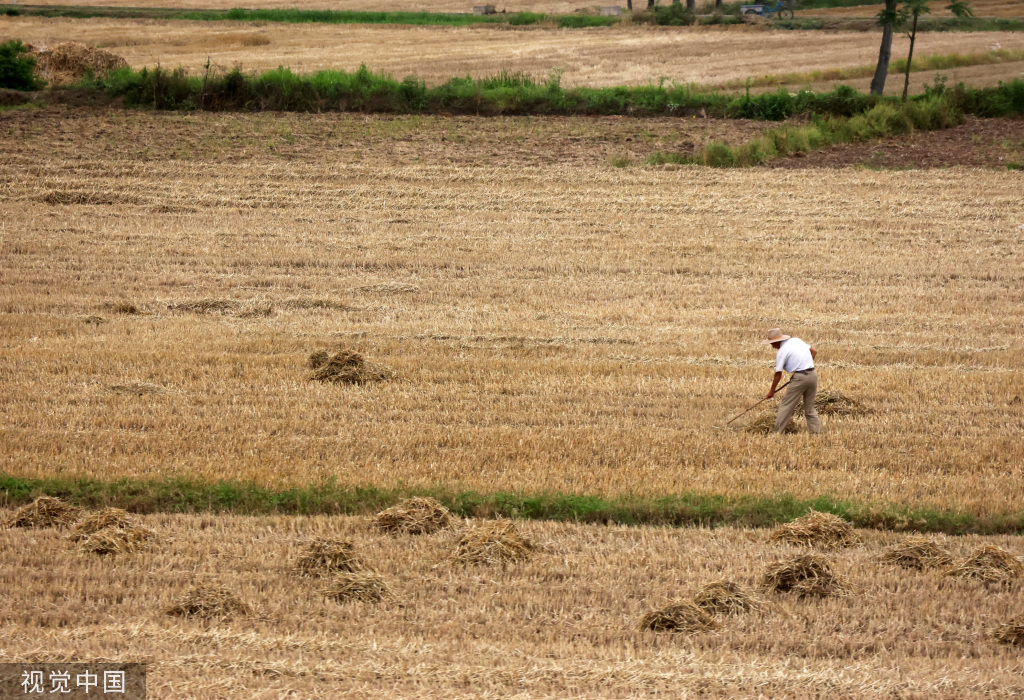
(606, 57)
(563, 623)
(555, 323)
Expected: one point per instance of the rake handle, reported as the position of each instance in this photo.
(759, 403)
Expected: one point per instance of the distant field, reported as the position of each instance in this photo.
(981, 8)
(614, 56)
(555, 323)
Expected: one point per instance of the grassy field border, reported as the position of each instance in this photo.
(691, 509)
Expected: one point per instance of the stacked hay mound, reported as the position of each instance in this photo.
(678, 616)
(990, 564)
(727, 598)
(1012, 632)
(44, 512)
(210, 600)
(362, 586)
(327, 557)
(497, 542)
(345, 367)
(836, 403)
(65, 63)
(918, 553)
(111, 531)
(806, 575)
(766, 423)
(822, 530)
(416, 516)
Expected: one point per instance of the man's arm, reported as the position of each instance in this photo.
(814, 353)
(775, 384)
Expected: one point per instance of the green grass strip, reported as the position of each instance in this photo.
(682, 510)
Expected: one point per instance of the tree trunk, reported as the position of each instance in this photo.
(629, 5)
(718, 3)
(650, 4)
(884, 53)
(691, 4)
(910, 57)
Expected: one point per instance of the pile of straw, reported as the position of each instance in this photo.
(416, 516)
(65, 63)
(764, 425)
(727, 598)
(324, 557)
(44, 512)
(247, 309)
(366, 587)
(345, 367)
(822, 530)
(496, 542)
(806, 575)
(989, 563)
(111, 531)
(836, 403)
(917, 553)
(1012, 632)
(136, 389)
(678, 616)
(210, 600)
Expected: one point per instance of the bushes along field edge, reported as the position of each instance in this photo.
(681, 510)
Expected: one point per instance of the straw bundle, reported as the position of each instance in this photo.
(917, 553)
(805, 575)
(1011, 632)
(136, 389)
(497, 542)
(764, 425)
(366, 587)
(100, 519)
(323, 557)
(209, 600)
(44, 512)
(678, 616)
(823, 530)
(344, 367)
(836, 403)
(71, 61)
(989, 563)
(416, 516)
(118, 540)
(727, 598)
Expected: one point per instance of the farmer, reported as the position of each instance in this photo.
(797, 357)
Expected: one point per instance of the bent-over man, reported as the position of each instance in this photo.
(796, 357)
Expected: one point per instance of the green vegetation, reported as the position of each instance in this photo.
(16, 67)
(689, 509)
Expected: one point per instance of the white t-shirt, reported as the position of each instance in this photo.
(793, 355)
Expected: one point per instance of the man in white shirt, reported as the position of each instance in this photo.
(796, 357)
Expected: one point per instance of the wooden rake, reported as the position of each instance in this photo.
(723, 427)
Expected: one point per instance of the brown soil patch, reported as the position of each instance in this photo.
(977, 143)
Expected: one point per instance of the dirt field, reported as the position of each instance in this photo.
(562, 624)
(555, 323)
(614, 56)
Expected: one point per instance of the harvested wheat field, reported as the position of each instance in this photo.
(216, 611)
(626, 55)
(552, 324)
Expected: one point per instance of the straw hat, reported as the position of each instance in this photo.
(774, 335)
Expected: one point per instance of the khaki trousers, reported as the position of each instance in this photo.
(802, 386)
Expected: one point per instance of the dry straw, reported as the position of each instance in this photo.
(362, 586)
(416, 516)
(836, 403)
(324, 557)
(495, 542)
(118, 540)
(345, 367)
(805, 575)
(917, 552)
(822, 530)
(727, 598)
(71, 61)
(136, 389)
(231, 307)
(1011, 632)
(209, 601)
(989, 563)
(678, 616)
(45, 511)
(98, 520)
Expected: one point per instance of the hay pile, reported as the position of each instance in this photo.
(68, 62)
(416, 516)
(989, 563)
(918, 553)
(100, 519)
(679, 616)
(366, 587)
(136, 389)
(806, 575)
(764, 425)
(1012, 632)
(325, 557)
(345, 367)
(836, 403)
(727, 598)
(111, 531)
(44, 512)
(822, 530)
(496, 542)
(210, 600)
(242, 309)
